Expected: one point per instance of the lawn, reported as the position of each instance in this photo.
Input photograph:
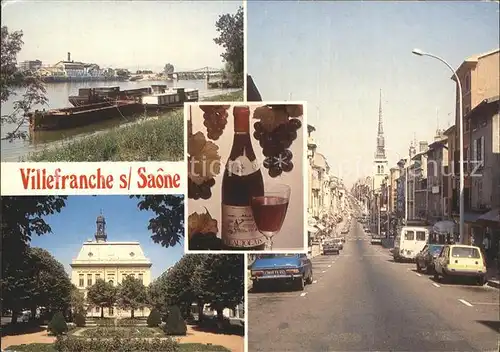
(121, 332)
(49, 347)
(151, 140)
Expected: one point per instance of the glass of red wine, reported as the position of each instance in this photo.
(269, 210)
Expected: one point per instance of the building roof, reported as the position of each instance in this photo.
(484, 106)
(319, 161)
(449, 130)
(474, 59)
(437, 145)
(98, 253)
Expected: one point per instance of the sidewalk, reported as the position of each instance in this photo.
(493, 276)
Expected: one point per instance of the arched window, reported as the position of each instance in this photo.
(381, 169)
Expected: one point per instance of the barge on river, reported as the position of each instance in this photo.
(66, 118)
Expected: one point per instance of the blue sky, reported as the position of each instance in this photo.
(134, 35)
(124, 222)
(337, 55)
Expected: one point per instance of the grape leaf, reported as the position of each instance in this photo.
(295, 110)
(203, 160)
(201, 224)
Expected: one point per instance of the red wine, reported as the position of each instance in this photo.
(242, 180)
(269, 212)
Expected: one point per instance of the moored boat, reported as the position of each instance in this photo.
(66, 118)
(170, 98)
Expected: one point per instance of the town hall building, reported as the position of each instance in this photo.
(112, 262)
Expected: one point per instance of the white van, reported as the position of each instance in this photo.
(410, 241)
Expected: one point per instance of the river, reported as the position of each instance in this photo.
(58, 93)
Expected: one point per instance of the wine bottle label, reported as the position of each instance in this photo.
(238, 227)
(242, 166)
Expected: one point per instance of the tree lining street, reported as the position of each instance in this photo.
(363, 301)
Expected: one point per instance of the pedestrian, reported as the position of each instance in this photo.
(487, 247)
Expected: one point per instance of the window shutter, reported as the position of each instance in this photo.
(482, 150)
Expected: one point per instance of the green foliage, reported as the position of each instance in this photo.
(200, 347)
(154, 318)
(77, 300)
(131, 294)
(23, 217)
(102, 294)
(230, 28)
(105, 322)
(175, 324)
(168, 225)
(121, 332)
(33, 347)
(73, 344)
(129, 322)
(221, 280)
(79, 319)
(57, 325)
(234, 96)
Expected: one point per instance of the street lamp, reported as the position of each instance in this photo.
(461, 138)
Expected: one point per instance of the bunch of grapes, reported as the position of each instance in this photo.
(205, 241)
(202, 191)
(215, 120)
(275, 146)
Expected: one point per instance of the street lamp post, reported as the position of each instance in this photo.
(461, 138)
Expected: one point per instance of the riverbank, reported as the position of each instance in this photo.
(160, 139)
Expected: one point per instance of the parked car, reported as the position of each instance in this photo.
(425, 259)
(339, 242)
(342, 239)
(460, 261)
(24, 317)
(295, 269)
(330, 247)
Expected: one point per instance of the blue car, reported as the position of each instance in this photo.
(286, 268)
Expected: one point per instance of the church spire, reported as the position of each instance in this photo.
(100, 234)
(380, 153)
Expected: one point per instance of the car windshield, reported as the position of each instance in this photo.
(465, 252)
(435, 249)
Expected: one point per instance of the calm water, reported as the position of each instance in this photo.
(58, 94)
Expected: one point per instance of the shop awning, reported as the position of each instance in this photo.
(471, 217)
(320, 226)
(491, 216)
(312, 229)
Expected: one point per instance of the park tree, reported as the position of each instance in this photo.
(131, 294)
(157, 296)
(77, 300)
(102, 294)
(13, 82)
(51, 284)
(22, 217)
(230, 28)
(222, 281)
(168, 69)
(168, 225)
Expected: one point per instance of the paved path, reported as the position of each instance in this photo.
(362, 301)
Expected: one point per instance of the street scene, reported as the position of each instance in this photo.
(113, 90)
(97, 279)
(404, 170)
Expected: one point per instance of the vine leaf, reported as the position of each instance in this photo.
(201, 224)
(203, 160)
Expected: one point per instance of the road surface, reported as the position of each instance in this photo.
(363, 301)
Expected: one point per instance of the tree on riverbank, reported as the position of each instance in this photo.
(11, 79)
(230, 28)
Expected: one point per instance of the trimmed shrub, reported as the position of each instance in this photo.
(74, 344)
(175, 324)
(154, 318)
(79, 320)
(57, 325)
(129, 322)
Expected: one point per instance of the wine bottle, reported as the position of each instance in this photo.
(242, 180)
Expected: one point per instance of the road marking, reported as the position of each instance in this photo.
(324, 271)
(329, 266)
(486, 303)
(315, 281)
(436, 284)
(303, 294)
(419, 274)
(465, 302)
